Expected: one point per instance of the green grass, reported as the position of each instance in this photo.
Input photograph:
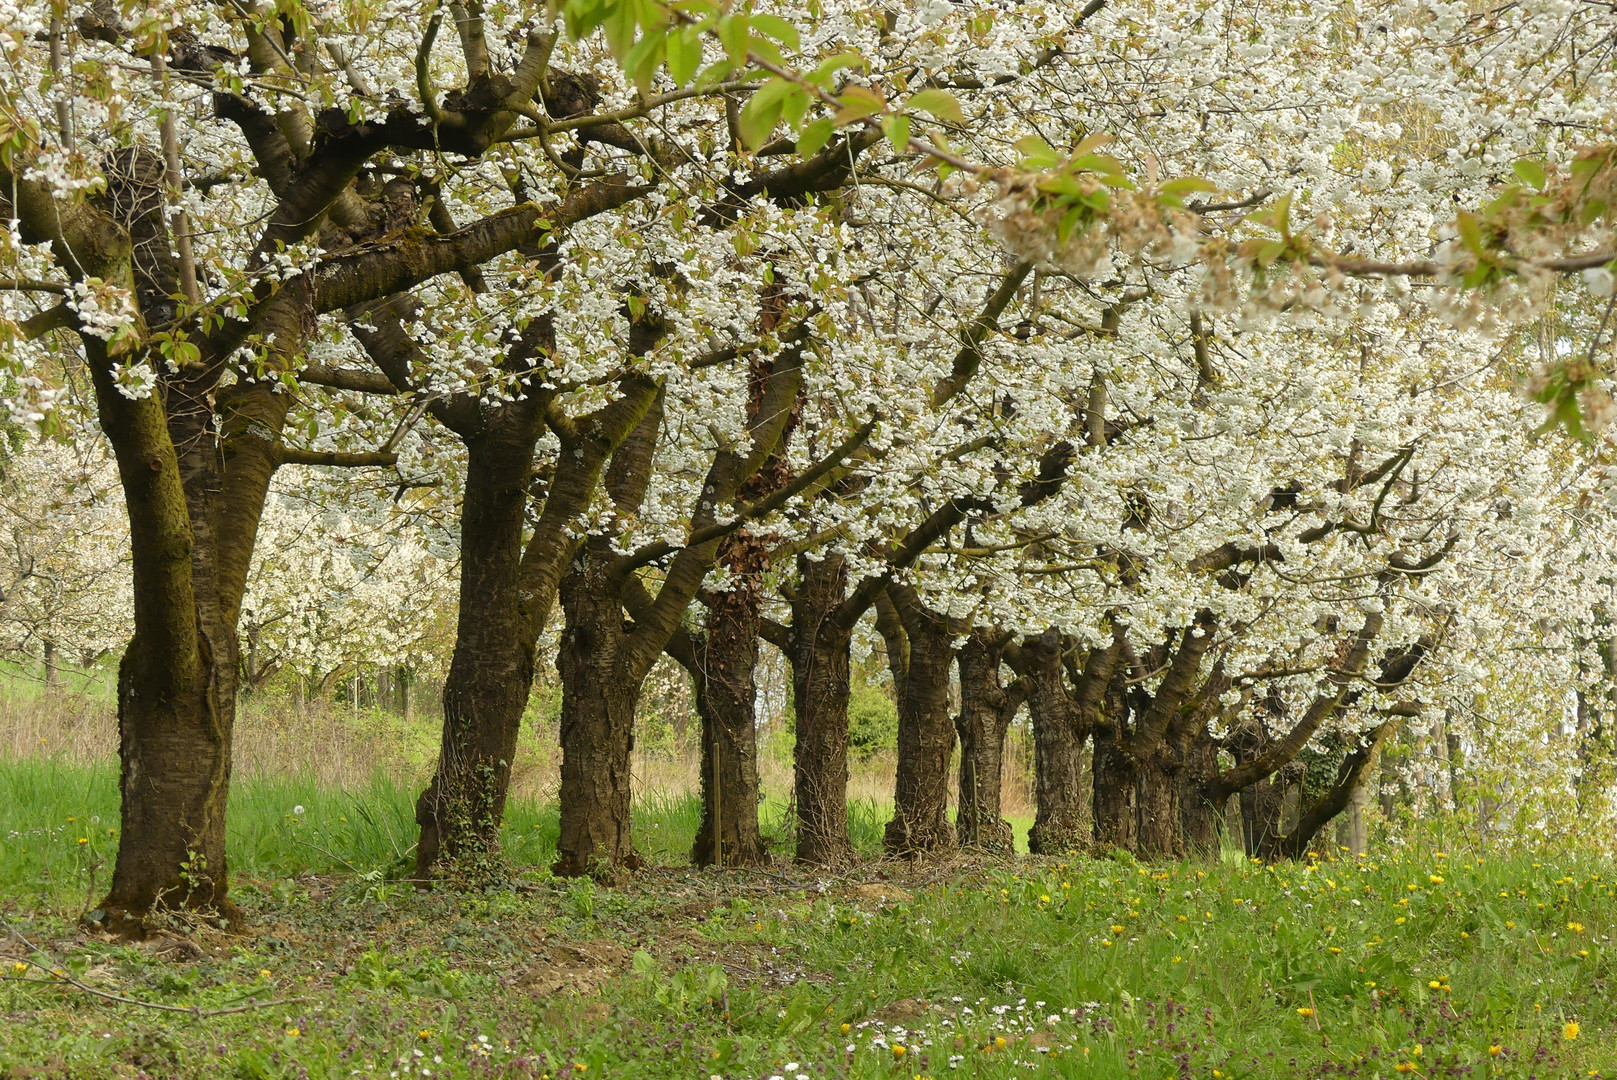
(47, 806)
(1084, 968)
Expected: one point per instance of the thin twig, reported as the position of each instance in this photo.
(194, 1010)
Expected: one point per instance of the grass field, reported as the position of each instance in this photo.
(1416, 962)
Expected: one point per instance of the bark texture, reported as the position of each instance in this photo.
(724, 671)
(987, 708)
(1058, 743)
(491, 672)
(920, 652)
(599, 692)
(820, 658)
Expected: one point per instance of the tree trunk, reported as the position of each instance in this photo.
(491, 672)
(725, 667)
(599, 692)
(1058, 744)
(986, 711)
(1355, 830)
(53, 674)
(1114, 791)
(401, 692)
(1199, 818)
(1260, 800)
(1351, 776)
(1156, 802)
(1261, 805)
(920, 824)
(176, 684)
(820, 659)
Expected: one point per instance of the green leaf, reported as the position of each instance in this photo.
(1069, 222)
(1036, 153)
(821, 75)
(643, 60)
(779, 29)
(1470, 229)
(765, 50)
(896, 126)
(734, 33)
(1091, 142)
(684, 54)
(759, 117)
(1184, 185)
(1061, 184)
(714, 74)
(940, 103)
(795, 106)
(1105, 164)
(858, 102)
(815, 136)
(1531, 172)
(619, 27)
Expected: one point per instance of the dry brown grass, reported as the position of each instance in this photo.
(339, 748)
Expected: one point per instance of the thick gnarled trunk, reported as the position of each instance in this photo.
(599, 691)
(920, 824)
(491, 673)
(820, 660)
(1157, 786)
(725, 666)
(986, 711)
(1113, 800)
(1058, 743)
(175, 684)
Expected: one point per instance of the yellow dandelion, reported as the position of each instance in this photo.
(84, 840)
(424, 1033)
(19, 967)
(899, 1050)
(1116, 929)
(1305, 1012)
(1435, 985)
(293, 1032)
(999, 1042)
(1495, 1050)
(263, 973)
(1570, 1031)
(846, 1028)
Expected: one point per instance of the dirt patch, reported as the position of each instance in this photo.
(903, 1011)
(876, 892)
(172, 948)
(582, 967)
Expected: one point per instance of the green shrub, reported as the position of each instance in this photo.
(872, 721)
